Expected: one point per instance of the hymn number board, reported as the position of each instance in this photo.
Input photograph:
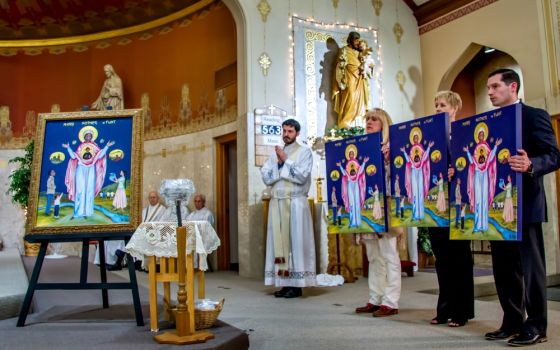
(268, 131)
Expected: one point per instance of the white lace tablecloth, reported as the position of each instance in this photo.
(159, 239)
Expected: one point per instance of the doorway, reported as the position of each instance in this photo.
(226, 201)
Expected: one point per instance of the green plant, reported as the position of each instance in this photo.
(342, 133)
(20, 179)
(424, 243)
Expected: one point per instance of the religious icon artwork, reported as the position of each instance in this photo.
(86, 174)
(356, 185)
(419, 172)
(485, 193)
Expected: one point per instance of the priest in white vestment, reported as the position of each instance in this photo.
(115, 250)
(290, 244)
(200, 213)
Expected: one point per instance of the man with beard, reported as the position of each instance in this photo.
(290, 246)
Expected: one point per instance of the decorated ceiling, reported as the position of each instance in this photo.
(47, 19)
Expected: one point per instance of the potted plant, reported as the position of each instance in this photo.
(424, 247)
(20, 180)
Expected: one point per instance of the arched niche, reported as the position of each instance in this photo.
(468, 76)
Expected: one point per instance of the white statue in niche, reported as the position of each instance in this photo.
(185, 109)
(146, 111)
(5, 124)
(111, 95)
(221, 102)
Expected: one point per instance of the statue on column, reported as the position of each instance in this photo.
(146, 111)
(185, 109)
(350, 88)
(30, 124)
(111, 95)
(5, 124)
(221, 102)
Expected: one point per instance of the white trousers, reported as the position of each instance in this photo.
(384, 276)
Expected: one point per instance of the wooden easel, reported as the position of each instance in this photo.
(85, 238)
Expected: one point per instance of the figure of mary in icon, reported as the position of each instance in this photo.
(481, 183)
(417, 175)
(353, 185)
(85, 174)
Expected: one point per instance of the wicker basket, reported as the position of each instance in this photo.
(206, 318)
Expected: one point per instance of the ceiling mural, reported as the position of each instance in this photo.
(48, 19)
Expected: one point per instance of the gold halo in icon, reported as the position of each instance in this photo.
(415, 132)
(481, 127)
(351, 147)
(398, 162)
(87, 130)
(371, 170)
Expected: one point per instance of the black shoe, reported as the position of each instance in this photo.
(138, 265)
(526, 339)
(293, 292)
(500, 334)
(280, 293)
(114, 267)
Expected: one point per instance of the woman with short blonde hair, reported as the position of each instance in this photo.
(449, 97)
(454, 264)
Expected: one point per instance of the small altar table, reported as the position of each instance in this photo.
(159, 240)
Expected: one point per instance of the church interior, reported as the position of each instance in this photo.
(199, 75)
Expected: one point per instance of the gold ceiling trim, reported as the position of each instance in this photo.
(107, 34)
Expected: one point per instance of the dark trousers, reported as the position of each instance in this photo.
(56, 209)
(462, 223)
(454, 268)
(520, 276)
(457, 214)
(334, 211)
(397, 205)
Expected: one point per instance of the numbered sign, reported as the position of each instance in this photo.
(268, 131)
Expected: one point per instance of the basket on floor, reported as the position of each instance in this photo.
(206, 318)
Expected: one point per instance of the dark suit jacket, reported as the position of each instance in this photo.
(539, 142)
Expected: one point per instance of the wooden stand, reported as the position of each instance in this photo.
(185, 332)
(167, 274)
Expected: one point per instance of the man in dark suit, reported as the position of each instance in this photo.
(519, 267)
